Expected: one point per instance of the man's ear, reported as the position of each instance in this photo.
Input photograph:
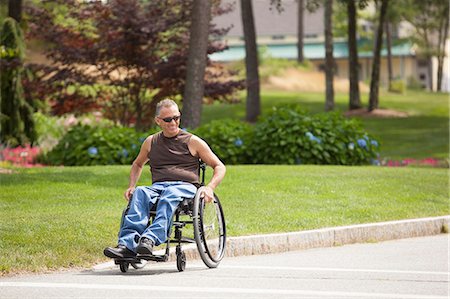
(156, 121)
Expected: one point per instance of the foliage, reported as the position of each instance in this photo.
(288, 135)
(398, 86)
(230, 140)
(414, 84)
(50, 129)
(340, 18)
(17, 125)
(426, 16)
(94, 145)
(138, 50)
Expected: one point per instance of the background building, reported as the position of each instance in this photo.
(277, 33)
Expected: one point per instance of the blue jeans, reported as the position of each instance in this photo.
(136, 220)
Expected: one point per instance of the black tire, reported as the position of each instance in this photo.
(181, 261)
(124, 267)
(209, 229)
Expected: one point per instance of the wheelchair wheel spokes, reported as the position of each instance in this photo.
(212, 230)
(209, 230)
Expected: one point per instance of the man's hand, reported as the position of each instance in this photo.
(129, 193)
(208, 194)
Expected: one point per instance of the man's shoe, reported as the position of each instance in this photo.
(119, 252)
(145, 246)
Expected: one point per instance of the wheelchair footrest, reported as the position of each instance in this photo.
(155, 258)
(130, 260)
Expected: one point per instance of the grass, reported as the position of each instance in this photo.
(52, 218)
(425, 133)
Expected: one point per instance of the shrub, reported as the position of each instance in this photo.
(50, 129)
(290, 136)
(398, 86)
(229, 139)
(86, 145)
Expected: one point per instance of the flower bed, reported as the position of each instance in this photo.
(21, 156)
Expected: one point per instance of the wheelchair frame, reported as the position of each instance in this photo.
(194, 208)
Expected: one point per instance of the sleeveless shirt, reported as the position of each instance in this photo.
(171, 160)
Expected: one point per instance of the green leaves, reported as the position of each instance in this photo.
(230, 140)
(86, 145)
(288, 135)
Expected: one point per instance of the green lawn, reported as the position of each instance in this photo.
(425, 133)
(60, 217)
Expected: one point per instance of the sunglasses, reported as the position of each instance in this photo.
(169, 119)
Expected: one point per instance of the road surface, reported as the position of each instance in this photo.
(415, 268)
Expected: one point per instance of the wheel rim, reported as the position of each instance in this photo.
(209, 230)
(212, 230)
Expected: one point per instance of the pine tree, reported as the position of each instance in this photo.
(17, 125)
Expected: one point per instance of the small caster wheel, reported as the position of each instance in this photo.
(139, 265)
(181, 261)
(124, 267)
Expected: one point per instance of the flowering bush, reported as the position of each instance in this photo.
(20, 156)
(231, 140)
(50, 129)
(288, 135)
(86, 145)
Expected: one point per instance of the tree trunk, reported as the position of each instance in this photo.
(443, 33)
(389, 52)
(196, 64)
(355, 101)
(15, 10)
(375, 80)
(329, 59)
(300, 31)
(251, 62)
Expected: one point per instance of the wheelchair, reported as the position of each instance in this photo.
(209, 232)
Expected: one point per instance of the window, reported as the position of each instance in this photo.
(278, 37)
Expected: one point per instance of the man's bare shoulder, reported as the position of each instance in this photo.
(148, 142)
(197, 141)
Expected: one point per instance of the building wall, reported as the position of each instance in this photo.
(403, 67)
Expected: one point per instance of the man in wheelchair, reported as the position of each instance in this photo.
(173, 155)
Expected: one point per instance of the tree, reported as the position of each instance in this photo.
(17, 125)
(136, 50)
(15, 10)
(442, 40)
(387, 28)
(429, 18)
(375, 79)
(300, 31)
(329, 59)
(394, 16)
(197, 57)
(253, 108)
(355, 100)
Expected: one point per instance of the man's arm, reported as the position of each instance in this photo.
(201, 149)
(136, 167)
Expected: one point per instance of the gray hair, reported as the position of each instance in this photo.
(165, 103)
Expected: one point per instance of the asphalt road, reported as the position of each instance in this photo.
(410, 268)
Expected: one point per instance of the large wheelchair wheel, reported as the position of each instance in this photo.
(209, 229)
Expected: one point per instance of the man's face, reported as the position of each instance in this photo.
(170, 128)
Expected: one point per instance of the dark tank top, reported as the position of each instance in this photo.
(170, 159)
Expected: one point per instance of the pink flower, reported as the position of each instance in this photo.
(21, 156)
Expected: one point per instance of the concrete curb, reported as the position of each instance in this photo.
(327, 237)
